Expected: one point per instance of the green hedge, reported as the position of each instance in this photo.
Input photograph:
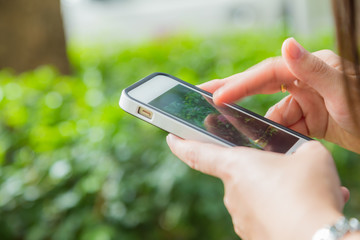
(75, 166)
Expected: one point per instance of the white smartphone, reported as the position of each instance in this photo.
(189, 112)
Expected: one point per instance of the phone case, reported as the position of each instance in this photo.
(177, 126)
(164, 120)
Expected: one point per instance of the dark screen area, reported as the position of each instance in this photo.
(228, 123)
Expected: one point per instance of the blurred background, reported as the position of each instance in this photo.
(73, 165)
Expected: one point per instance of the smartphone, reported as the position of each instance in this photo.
(189, 112)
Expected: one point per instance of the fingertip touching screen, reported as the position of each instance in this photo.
(228, 123)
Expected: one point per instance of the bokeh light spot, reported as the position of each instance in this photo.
(96, 134)
(94, 97)
(53, 100)
(31, 193)
(60, 169)
(12, 91)
(1, 94)
(67, 200)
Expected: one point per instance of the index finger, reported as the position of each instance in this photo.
(212, 86)
(264, 78)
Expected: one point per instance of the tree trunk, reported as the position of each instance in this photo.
(32, 34)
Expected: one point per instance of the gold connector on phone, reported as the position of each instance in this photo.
(146, 113)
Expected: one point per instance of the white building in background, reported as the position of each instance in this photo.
(308, 17)
(90, 21)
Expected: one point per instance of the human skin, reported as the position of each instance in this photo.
(271, 195)
(317, 104)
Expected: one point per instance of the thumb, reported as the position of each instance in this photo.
(310, 69)
(206, 158)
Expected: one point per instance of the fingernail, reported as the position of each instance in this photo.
(294, 49)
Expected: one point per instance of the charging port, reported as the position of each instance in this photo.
(144, 112)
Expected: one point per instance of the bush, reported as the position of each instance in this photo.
(75, 166)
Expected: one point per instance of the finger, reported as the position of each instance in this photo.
(314, 115)
(212, 85)
(326, 80)
(207, 158)
(303, 111)
(287, 112)
(335, 61)
(310, 69)
(301, 127)
(264, 78)
(289, 115)
(346, 194)
(329, 57)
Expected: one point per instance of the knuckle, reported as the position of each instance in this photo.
(231, 208)
(192, 158)
(318, 66)
(229, 170)
(315, 145)
(317, 149)
(217, 81)
(226, 201)
(272, 108)
(246, 91)
(272, 60)
(330, 58)
(310, 146)
(270, 63)
(275, 62)
(326, 52)
(238, 231)
(226, 174)
(270, 112)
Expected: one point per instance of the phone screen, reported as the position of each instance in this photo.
(228, 123)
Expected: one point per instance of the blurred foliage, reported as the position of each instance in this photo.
(75, 166)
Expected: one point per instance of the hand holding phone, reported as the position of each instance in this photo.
(189, 112)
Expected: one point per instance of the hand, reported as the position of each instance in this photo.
(270, 195)
(317, 105)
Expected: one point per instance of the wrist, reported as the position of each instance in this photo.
(316, 219)
(352, 236)
(340, 230)
(305, 225)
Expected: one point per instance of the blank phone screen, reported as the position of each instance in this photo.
(230, 124)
